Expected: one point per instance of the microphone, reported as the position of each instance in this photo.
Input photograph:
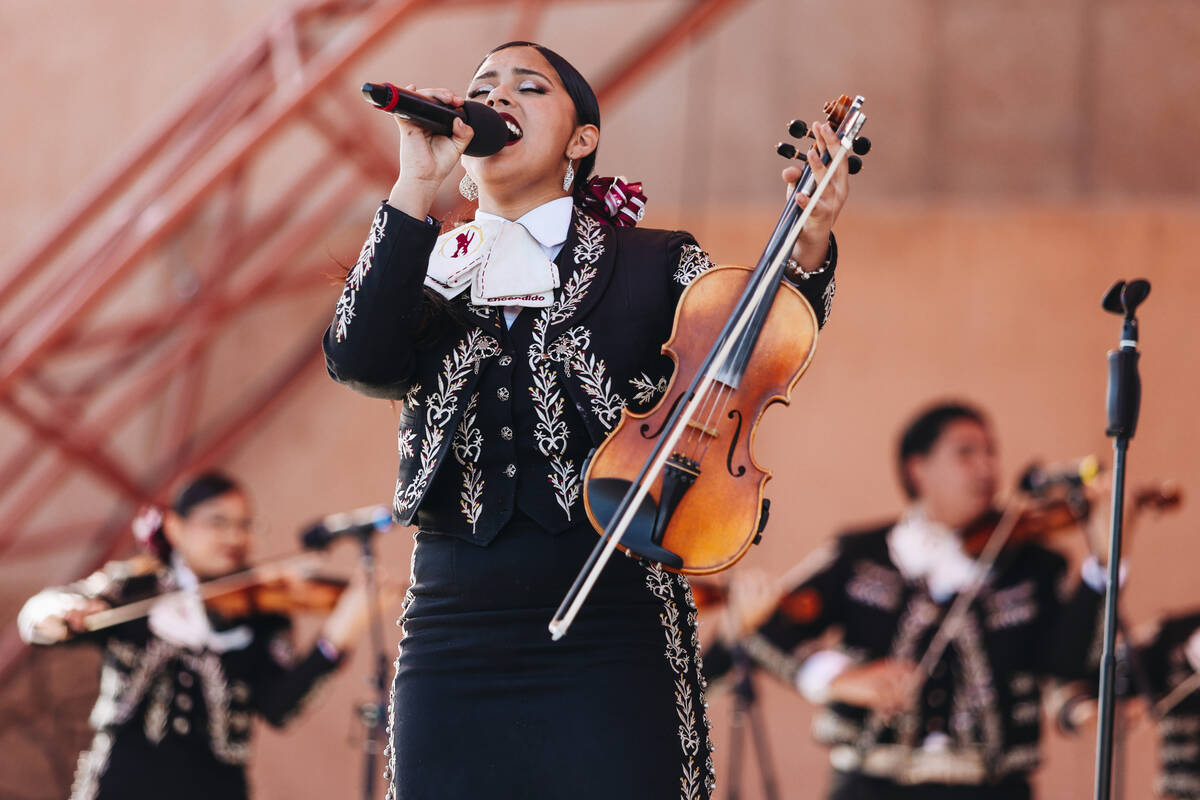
(1037, 480)
(491, 131)
(359, 522)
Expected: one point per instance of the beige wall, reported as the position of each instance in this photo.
(1026, 155)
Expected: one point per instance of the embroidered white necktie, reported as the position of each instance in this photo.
(500, 261)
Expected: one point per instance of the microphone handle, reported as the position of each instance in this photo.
(434, 117)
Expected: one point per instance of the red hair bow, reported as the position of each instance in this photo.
(613, 201)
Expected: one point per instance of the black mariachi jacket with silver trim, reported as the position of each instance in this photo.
(166, 711)
(985, 691)
(1165, 663)
(595, 351)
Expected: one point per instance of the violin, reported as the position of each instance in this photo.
(1056, 515)
(312, 594)
(263, 589)
(679, 485)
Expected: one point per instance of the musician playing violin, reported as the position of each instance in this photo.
(969, 727)
(180, 686)
(515, 342)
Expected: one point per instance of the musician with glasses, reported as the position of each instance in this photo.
(179, 687)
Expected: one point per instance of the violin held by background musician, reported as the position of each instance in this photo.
(184, 673)
(934, 686)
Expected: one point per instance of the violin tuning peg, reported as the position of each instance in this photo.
(797, 129)
(786, 150)
(855, 164)
(862, 146)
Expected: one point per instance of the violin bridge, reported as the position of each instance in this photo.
(707, 431)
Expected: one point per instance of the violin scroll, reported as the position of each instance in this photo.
(835, 113)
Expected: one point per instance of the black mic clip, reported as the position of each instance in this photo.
(1124, 384)
(362, 524)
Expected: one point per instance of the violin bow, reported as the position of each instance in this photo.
(213, 588)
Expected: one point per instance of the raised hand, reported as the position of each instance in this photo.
(426, 159)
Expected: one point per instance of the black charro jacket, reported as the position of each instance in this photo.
(466, 460)
(172, 720)
(985, 691)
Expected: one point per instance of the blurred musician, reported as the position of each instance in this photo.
(1165, 668)
(178, 688)
(970, 727)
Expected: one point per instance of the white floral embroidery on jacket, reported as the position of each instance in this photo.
(693, 262)
(440, 407)
(343, 312)
(550, 431)
(468, 444)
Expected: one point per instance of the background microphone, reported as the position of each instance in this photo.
(359, 522)
(491, 131)
(1037, 480)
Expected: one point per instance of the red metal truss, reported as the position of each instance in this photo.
(115, 308)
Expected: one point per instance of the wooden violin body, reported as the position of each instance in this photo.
(312, 594)
(711, 508)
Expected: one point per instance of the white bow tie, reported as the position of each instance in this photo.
(501, 262)
(922, 548)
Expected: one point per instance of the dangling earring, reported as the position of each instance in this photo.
(467, 188)
(569, 178)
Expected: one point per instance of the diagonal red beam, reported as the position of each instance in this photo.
(30, 343)
(115, 231)
(657, 47)
(117, 174)
(269, 221)
(83, 451)
(217, 444)
(278, 259)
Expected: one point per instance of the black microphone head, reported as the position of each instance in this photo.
(377, 94)
(1112, 299)
(317, 537)
(1133, 294)
(491, 131)
(1033, 479)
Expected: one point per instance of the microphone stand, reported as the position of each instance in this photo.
(373, 714)
(1124, 398)
(745, 712)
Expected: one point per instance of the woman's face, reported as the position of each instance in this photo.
(214, 538)
(521, 85)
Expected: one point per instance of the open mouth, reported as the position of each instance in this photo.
(514, 130)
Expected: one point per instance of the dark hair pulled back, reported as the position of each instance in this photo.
(201, 489)
(924, 431)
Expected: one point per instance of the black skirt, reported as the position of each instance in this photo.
(486, 705)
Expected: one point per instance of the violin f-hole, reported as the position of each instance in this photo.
(645, 426)
(737, 432)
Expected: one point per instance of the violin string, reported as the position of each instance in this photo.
(694, 438)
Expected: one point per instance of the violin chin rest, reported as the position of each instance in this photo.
(604, 496)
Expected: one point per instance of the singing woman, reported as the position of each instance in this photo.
(179, 688)
(514, 342)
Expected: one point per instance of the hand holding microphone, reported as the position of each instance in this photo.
(437, 127)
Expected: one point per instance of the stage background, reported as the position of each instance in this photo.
(1026, 155)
